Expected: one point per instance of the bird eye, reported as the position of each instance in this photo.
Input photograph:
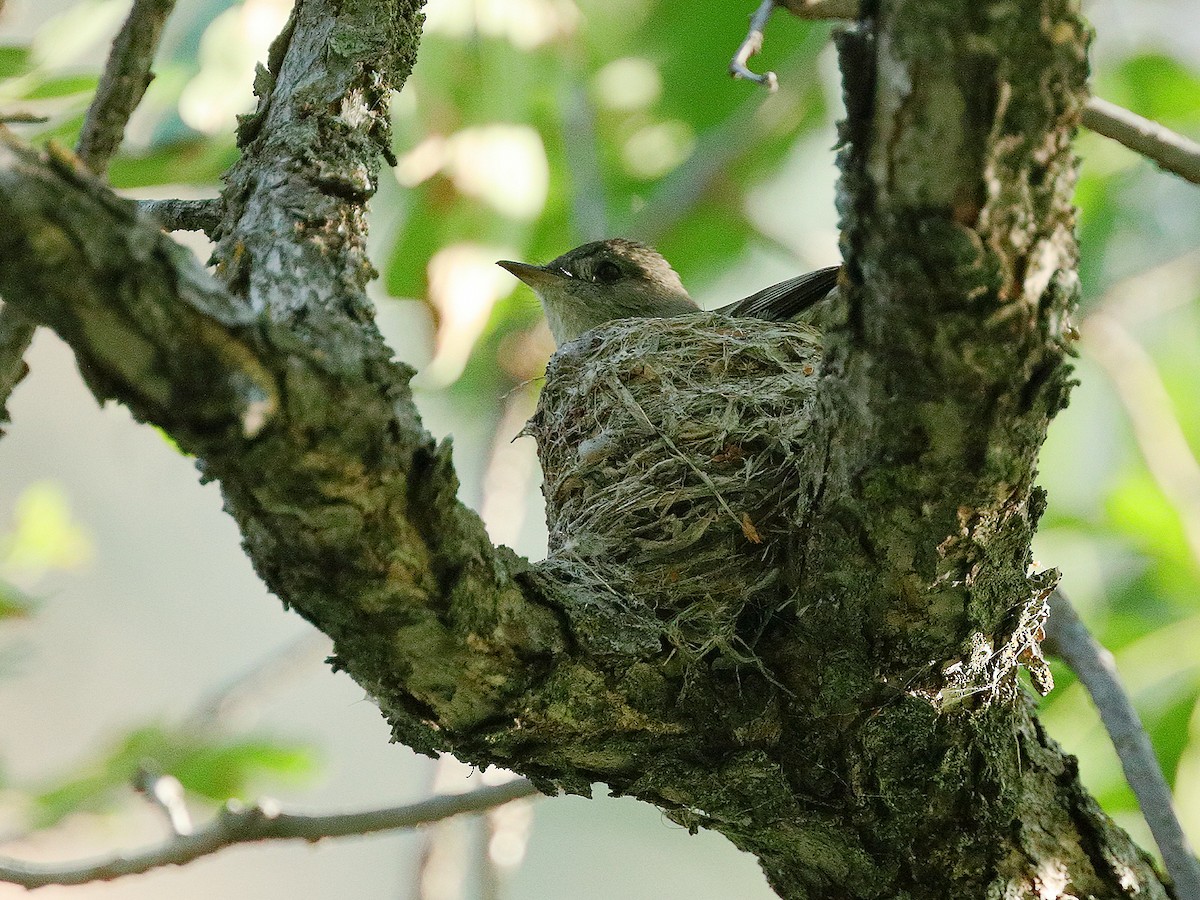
(608, 272)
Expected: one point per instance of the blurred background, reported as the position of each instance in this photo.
(133, 632)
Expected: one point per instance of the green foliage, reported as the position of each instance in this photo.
(208, 766)
(14, 60)
(15, 603)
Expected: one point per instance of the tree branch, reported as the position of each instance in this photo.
(364, 538)
(1069, 638)
(262, 822)
(126, 75)
(15, 334)
(1172, 151)
(185, 215)
(124, 82)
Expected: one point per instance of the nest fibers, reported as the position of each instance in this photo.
(670, 449)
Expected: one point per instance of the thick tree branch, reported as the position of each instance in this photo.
(367, 541)
(262, 822)
(126, 76)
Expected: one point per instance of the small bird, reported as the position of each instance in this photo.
(621, 279)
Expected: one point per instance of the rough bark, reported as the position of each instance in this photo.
(880, 745)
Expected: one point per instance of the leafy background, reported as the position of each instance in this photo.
(129, 618)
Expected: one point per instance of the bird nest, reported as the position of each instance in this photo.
(670, 449)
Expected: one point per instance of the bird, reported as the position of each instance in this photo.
(602, 281)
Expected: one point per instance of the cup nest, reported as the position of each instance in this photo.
(670, 450)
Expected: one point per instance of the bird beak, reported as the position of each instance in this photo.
(537, 277)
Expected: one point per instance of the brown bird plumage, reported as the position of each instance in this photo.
(621, 279)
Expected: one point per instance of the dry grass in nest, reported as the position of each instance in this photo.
(670, 450)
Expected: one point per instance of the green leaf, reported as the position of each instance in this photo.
(213, 767)
(1156, 86)
(46, 535)
(15, 603)
(1168, 726)
(14, 60)
(1137, 508)
(62, 86)
(193, 161)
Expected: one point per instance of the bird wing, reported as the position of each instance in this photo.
(780, 302)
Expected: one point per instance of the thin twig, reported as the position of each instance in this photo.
(739, 65)
(185, 215)
(239, 825)
(126, 76)
(23, 118)
(15, 334)
(1172, 151)
(1068, 638)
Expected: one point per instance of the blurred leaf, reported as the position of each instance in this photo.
(15, 603)
(62, 86)
(14, 60)
(195, 161)
(1168, 726)
(45, 535)
(1137, 508)
(220, 772)
(212, 767)
(1157, 86)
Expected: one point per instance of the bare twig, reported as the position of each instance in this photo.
(238, 825)
(185, 215)
(738, 66)
(126, 76)
(15, 334)
(804, 9)
(1068, 638)
(23, 118)
(1172, 151)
